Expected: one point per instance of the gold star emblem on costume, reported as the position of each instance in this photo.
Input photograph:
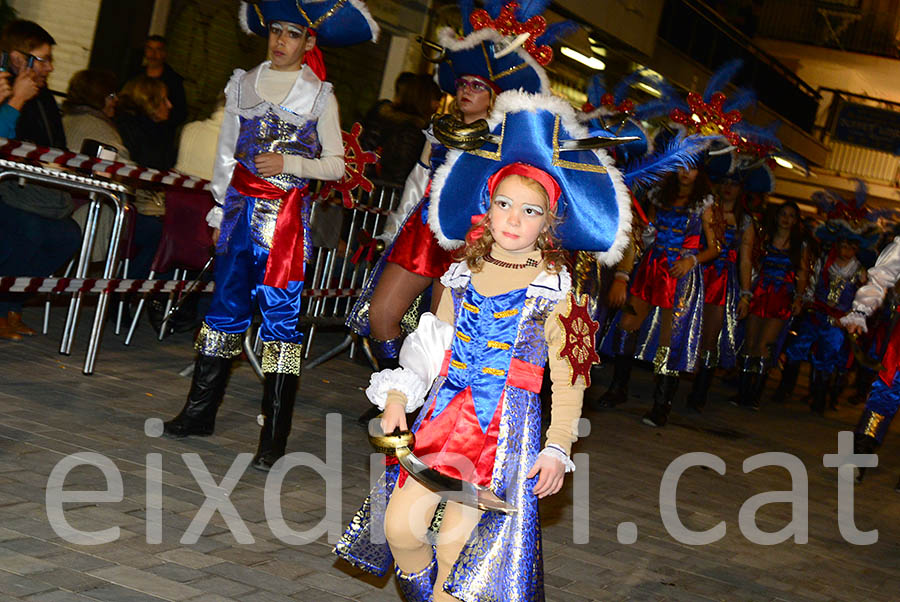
(579, 330)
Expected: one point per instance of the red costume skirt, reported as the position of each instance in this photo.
(772, 301)
(453, 442)
(417, 250)
(715, 284)
(653, 283)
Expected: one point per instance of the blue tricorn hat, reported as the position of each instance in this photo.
(612, 113)
(476, 53)
(495, 48)
(753, 173)
(336, 22)
(594, 203)
(848, 219)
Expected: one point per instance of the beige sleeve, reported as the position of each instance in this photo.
(330, 164)
(565, 405)
(444, 314)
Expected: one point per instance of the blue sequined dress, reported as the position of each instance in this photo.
(502, 559)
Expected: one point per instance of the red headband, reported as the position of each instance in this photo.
(522, 169)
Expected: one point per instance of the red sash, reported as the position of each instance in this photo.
(891, 357)
(285, 263)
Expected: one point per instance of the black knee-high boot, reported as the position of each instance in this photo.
(281, 367)
(700, 390)
(788, 381)
(618, 389)
(665, 386)
(198, 416)
(836, 385)
(863, 444)
(818, 388)
(388, 355)
(758, 385)
(746, 382)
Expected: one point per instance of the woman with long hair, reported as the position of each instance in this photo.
(777, 296)
(416, 260)
(680, 212)
(724, 278)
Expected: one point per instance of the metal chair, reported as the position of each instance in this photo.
(185, 245)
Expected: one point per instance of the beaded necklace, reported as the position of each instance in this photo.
(529, 263)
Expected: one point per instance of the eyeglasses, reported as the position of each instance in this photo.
(45, 60)
(472, 84)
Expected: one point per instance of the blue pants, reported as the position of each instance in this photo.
(240, 272)
(820, 342)
(33, 245)
(881, 406)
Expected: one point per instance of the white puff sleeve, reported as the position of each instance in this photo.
(421, 358)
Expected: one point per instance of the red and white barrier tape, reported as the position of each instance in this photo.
(18, 149)
(12, 284)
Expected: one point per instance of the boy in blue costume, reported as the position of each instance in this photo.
(281, 130)
(835, 279)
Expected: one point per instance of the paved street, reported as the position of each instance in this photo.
(49, 410)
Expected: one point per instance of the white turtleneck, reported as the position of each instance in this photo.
(274, 86)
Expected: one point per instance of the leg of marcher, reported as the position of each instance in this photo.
(408, 515)
(873, 425)
(218, 342)
(665, 386)
(282, 352)
(456, 527)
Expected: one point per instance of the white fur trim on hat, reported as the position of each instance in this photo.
(515, 101)
(242, 18)
(449, 40)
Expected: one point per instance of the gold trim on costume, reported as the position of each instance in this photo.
(262, 221)
(463, 337)
(493, 371)
(506, 313)
(492, 155)
(469, 307)
(570, 164)
(873, 424)
(458, 364)
(281, 357)
(215, 343)
(498, 345)
(661, 362)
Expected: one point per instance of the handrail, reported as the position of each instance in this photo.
(704, 10)
(838, 92)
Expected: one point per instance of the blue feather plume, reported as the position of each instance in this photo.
(494, 7)
(620, 92)
(531, 8)
(720, 78)
(740, 100)
(557, 31)
(759, 134)
(596, 89)
(465, 9)
(678, 153)
(861, 193)
(653, 108)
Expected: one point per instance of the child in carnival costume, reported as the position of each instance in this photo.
(684, 232)
(729, 274)
(834, 280)
(281, 130)
(507, 313)
(486, 61)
